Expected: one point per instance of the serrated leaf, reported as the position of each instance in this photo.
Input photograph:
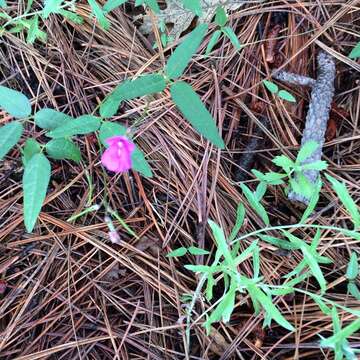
(130, 89)
(109, 129)
(354, 290)
(33, 31)
(312, 202)
(82, 125)
(212, 42)
(190, 105)
(197, 251)
(77, 19)
(182, 55)
(220, 16)
(240, 216)
(140, 164)
(283, 94)
(10, 134)
(99, 13)
(273, 88)
(14, 102)
(342, 334)
(51, 6)
(271, 178)
(221, 243)
(255, 204)
(346, 199)
(306, 151)
(50, 119)
(31, 148)
(61, 149)
(193, 5)
(280, 243)
(355, 51)
(177, 252)
(316, 165)
(228, 31)
(283, 162)
(269, 307)
(35, 183)
(110, 5)
(352, 270)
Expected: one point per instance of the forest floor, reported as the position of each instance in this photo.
(67, 292)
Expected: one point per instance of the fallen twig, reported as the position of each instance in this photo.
(318, 114)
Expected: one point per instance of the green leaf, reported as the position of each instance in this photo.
(197, 251)
(50, 119)
(31, 148)
(341, 335)
(99, 14)
(51, 6)
(182, 55)
(283, 162)
(177, 252)
(61, 149)
(130, 89)
(140, 164)
(228, 31)
(110, 5)
(35, 183)
(352, 270)
(346, 199)
(282, 244)
(193, 5)
(273, 88)
(269, 307)
(221, 243)
(260, 190)
(316, 165)
(314, 267)
(323, 307)
(245, 254)
(14, 102)
(3, 4)
(354, 290)
(255, 204)
(209, 287)
(75, 18)
(223, 310)
(200, 268)
(10, 134)
(212, 42)
(195, 112)
(220, 16)
(109, 129)
(33, 31)
(271, 178)
(240, 216)
(84, 124)
(283, 94)
(306, 150)
(355, 52)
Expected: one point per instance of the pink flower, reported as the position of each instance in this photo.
(117, 157)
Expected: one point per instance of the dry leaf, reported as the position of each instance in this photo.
(181, 18)
(270, 45)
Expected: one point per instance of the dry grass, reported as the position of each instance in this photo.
(70, 293)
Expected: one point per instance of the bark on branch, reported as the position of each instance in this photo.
(318, 115)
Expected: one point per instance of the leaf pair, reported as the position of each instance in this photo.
(274, 89)
(221, 20)
(188, 102)
(191, 250)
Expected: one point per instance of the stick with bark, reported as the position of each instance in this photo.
(318, 115)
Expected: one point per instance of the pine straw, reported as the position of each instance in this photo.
(70, 292)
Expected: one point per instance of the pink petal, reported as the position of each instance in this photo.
(110, 159)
